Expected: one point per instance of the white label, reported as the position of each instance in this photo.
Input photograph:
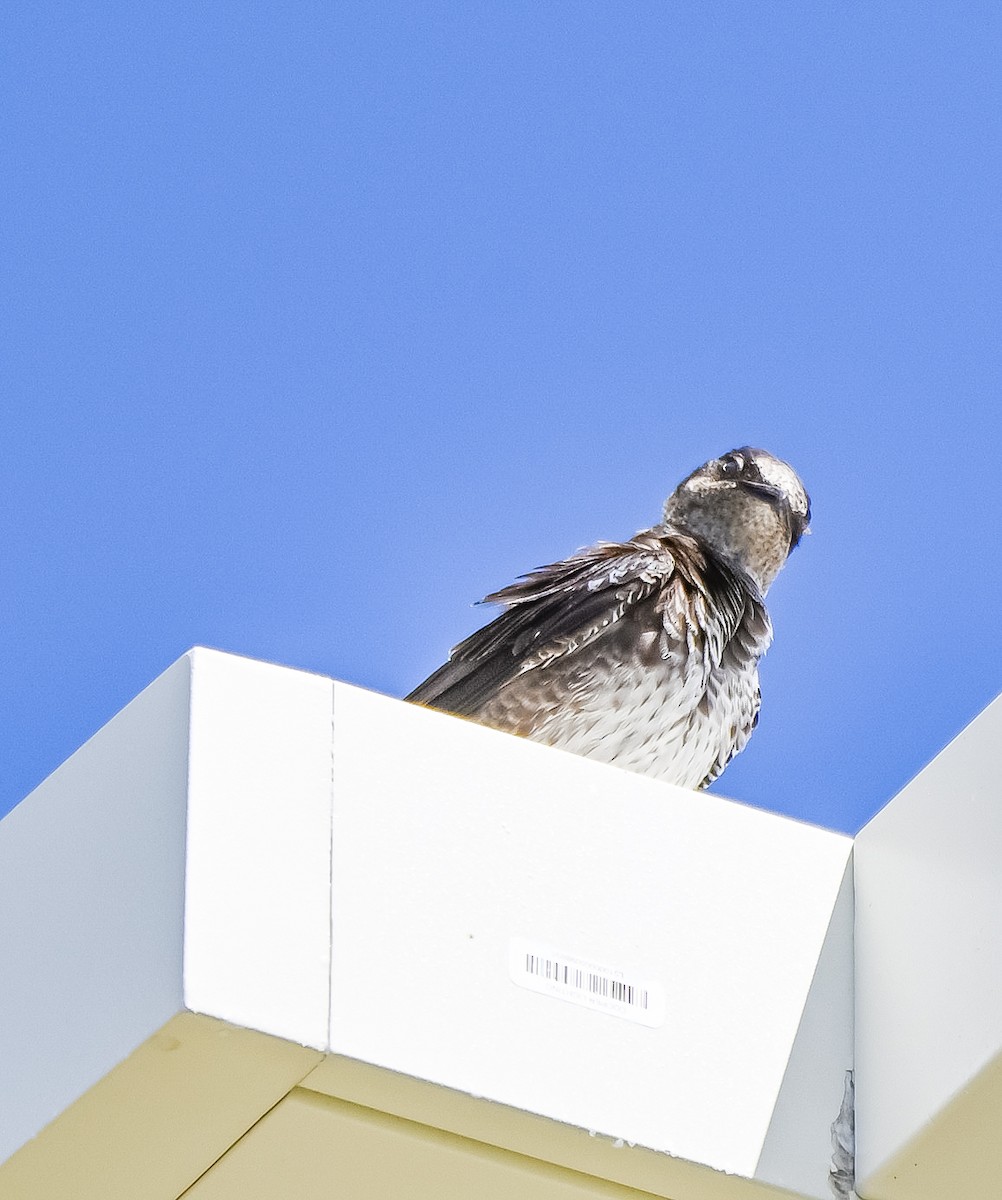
(540, 968)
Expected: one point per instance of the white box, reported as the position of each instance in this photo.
(136, 883)
(929, 978)
(367, 887)
(91, 902)
(451, 840)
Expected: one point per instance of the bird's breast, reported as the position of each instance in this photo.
(635, 700)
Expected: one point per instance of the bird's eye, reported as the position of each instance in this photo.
(732, 465)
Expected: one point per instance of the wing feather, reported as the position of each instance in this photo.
(551, 612)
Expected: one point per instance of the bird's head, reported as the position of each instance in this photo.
(750, 508)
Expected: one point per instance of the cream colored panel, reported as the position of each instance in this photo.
(957, 1156)
(311, 1147)
(160, 1118)
(529, 1135)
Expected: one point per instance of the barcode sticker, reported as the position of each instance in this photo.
(541, 968)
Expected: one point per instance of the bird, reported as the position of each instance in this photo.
(642, 653)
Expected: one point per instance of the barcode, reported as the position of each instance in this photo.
(592, 982)
(580, 981)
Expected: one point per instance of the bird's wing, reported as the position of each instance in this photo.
(551, 612)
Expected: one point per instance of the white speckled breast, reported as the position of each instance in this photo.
(635, 699)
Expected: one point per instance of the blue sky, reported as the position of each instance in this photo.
(321, 321)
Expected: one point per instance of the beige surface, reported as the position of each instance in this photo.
(213, 1112)
(161, 1118)
(311, 1147)
(528, 1135)
(957, 1156)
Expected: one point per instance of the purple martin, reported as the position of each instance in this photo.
(642, 653)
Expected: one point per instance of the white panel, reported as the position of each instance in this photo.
(798, 1148)
(257, 917)
(91, 903)
(929, 942)
(451, 839)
